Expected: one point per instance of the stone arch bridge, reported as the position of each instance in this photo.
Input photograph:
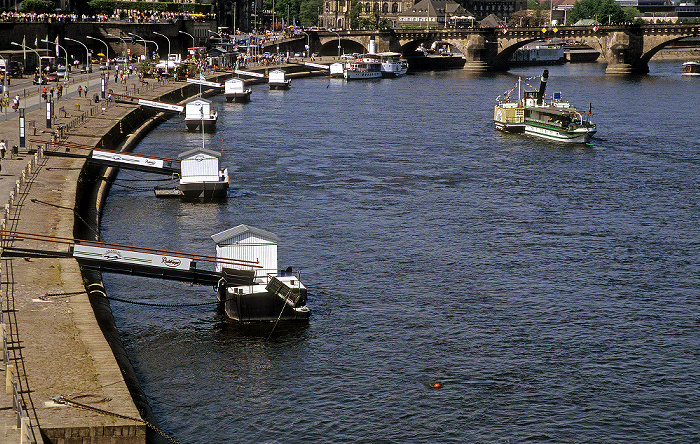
(626, 49)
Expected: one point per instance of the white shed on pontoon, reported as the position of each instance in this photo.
(199, 164)
(247, 243)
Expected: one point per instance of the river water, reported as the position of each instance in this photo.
(552, 290)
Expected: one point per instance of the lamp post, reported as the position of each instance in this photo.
(187, 34)
(308, 43)
(338, 42)
(4, 83)
(64, 50)
(38, 56)
(123, 52)
(106, 46)
(87, 53)
(145, 49)
(167, 58)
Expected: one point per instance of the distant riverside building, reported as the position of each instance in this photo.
(431, 13)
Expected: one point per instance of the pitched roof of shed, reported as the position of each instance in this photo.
(240, 229)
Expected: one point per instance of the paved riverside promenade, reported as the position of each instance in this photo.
(55, 345)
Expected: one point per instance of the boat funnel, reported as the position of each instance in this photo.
(543, 86)
(372, 46)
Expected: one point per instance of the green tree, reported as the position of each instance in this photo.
(354, 14)
(604, 11)
(308, 12)
(37, 6)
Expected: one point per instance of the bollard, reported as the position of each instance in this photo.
(24, 430)
(7, 211)
(18, 185)
(9, 376)
(12, 197)
(2, 342)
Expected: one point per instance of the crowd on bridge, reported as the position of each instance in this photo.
(125, 17)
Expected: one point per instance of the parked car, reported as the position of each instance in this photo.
(62, 73)
(86, 68)
(104, 66)
(39, 80)
(52, 77)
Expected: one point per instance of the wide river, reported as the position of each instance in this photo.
(553, 291)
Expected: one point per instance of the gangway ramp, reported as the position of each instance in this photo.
(119, 159)
(163, 106)
(129, 259)
(206, 83)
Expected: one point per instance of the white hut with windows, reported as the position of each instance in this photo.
(201, 176)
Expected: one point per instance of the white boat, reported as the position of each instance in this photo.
(367, 67)
(278, 80)
(691, 68)
(337, 69)
(199, 114)
(392, 64)
(553, 119)
(201, 177)
(258, 291)
(235, 91)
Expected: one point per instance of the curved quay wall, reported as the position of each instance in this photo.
(94, 185)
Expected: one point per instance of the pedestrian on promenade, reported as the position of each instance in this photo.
(80, 90)
(3, 148)
(15, 103)
(43, 93)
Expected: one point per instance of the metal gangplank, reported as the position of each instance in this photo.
(133, 100)
(118, 159)
(128, 259)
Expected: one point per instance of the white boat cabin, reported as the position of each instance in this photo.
(247, 243)
(277, 76)
(198, 109)
(199, 165)
(233, 86)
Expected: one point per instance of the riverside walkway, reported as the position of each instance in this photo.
(54, 345)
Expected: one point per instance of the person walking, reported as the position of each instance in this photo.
(3, 148)
(80, 90)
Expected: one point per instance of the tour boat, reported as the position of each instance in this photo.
(235, 91)
(533, 114)
(691, 69)
(364, 68)
(392, 64)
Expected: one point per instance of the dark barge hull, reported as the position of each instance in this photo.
(259, 307)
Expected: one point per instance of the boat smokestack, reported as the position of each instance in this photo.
(543, 86)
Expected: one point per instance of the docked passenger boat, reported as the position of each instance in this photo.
(278, 80)
(258, 291)
(199, 115)
(367, 67)
(691, 68)
(392, 64)
(533, 114)
(235, 91)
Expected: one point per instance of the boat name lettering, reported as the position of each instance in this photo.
(112, 255)
(117, 157)
(199, 158)
(171, 262)
(150, 162)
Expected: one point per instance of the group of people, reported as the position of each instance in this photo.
(5, 102)
(131, 17)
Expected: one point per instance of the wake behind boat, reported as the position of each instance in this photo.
(553, 119)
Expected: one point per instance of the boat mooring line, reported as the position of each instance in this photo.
(101, 294)
(61, 399)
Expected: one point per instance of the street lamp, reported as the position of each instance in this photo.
(145, 49)
(308, 43)
(88, 62)
(123, 52)
(64, 50)
(338, 42)
(188, 34)
(106, 46)
(38, 56)
(167, 58)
